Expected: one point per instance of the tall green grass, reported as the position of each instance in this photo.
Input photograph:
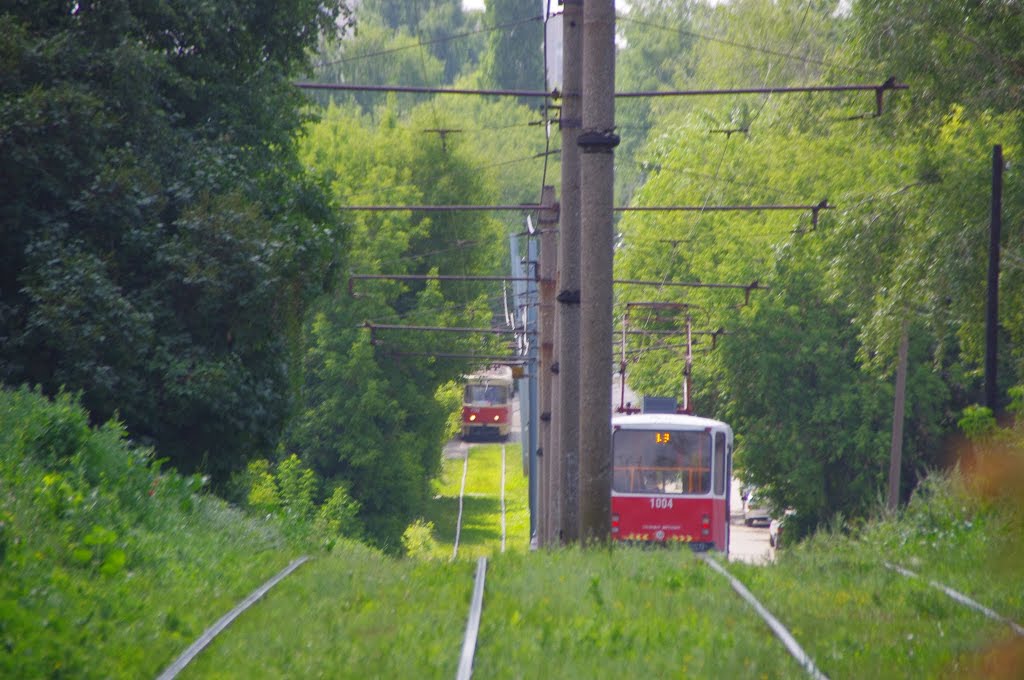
(109, 567)
(481, 516)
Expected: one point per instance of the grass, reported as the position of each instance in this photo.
(481, 515)
(110, 568)
(616, 614)
(352, 614)
(856, 618)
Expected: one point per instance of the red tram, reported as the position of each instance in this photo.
(671, 480)
(487, 404)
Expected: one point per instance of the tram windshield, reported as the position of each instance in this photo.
(486, 394)
(663, 462)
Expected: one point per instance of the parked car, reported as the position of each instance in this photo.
(775, 529)
(753, 510)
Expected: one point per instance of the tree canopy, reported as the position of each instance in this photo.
(159, 242)
(805, 370)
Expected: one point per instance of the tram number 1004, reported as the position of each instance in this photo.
(661, 503)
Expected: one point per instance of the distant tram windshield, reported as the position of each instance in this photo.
(489, 394)
(662, 461)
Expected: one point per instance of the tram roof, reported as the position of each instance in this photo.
(665, 420)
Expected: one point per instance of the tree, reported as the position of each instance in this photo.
(369, 419)
(514, 56)
(159, 242)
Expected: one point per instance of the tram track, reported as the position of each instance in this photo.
(223, 622)
(462, 503)
(780, 631)
(959, 597)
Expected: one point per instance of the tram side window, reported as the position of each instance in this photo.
(720, 454)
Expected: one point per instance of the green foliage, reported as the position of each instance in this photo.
(978, 423)
(297, 485)
(449, 398)
(418, 540)
(160, 243)
(804, 373)
(339, 515)
(108, 566)
(263, 494)
(369, 420)
(514, 55)
(422, 43)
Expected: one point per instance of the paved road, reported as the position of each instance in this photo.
(746, 544)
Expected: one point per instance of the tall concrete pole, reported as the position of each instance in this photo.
(548, 263)
(597, 141)
(568, 328)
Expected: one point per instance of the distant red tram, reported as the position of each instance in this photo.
(487, 404)
(671, 480)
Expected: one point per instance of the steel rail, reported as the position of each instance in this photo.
(961, 598)
(462, 495)
(223, 622)
(476, 606)
(503, 531)
(780, 630)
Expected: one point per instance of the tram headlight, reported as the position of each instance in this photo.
(497, 418)
(472, 417)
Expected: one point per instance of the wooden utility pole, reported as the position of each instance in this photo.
(568, 422)
(992, 303)
(896, 450)
(548, 220)
(597, 140)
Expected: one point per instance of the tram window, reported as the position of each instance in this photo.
(491, 394)
(720, 454)
(676, 462)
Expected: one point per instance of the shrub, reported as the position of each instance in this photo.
(418, 539)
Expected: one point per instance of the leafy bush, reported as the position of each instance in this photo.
(418, 539)
(339, 515)
(289, 493)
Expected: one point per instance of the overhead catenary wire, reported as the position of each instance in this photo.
(879, 90)
(433, 41)
(732, 43)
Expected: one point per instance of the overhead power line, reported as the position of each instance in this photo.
(447, 38)
(739, 45)
(879, 90)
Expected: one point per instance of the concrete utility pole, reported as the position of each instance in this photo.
(992, 305)
(597, 140)
(568, 423)
(548, 220)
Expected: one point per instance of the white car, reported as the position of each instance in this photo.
(775, 529)
(753, 511)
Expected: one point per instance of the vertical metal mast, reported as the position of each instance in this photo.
(597, 140)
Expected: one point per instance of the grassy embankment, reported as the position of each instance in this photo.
(102, 579)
